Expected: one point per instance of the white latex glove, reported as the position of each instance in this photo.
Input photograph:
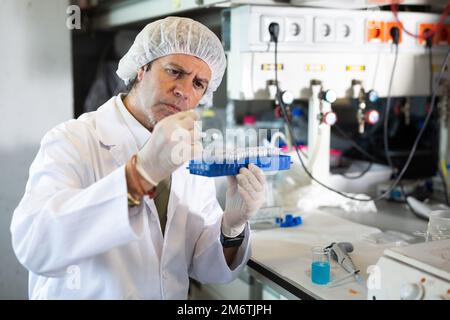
(171, 144)
(245, 195)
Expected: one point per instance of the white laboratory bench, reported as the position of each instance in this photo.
(281, 257)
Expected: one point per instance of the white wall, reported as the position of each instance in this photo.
(35, 95)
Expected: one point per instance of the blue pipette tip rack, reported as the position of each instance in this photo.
(231, 168)
(289, 221)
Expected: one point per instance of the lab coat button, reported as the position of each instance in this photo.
(165, 275)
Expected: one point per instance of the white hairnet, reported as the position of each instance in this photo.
(175, 35)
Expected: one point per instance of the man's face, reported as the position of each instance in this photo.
(173, 83)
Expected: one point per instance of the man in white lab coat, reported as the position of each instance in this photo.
(110, 211)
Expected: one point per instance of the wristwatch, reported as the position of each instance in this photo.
(228, 242)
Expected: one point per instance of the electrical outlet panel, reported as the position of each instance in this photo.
(333, 46)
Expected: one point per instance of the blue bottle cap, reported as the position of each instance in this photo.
(297, 112)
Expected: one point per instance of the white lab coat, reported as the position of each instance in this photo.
(75, 234)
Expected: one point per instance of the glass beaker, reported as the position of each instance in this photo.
(320, 266)
(439, 225)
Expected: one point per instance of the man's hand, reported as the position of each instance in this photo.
(171, 144)
(245, 195)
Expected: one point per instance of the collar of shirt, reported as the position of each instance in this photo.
(139, 132)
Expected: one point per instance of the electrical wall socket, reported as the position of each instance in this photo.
(264, 31)
(295, 30)
(324, 29)
(345, 30)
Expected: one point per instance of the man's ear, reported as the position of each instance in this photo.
(141, 73)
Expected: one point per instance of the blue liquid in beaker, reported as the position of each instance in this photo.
(320, 272)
